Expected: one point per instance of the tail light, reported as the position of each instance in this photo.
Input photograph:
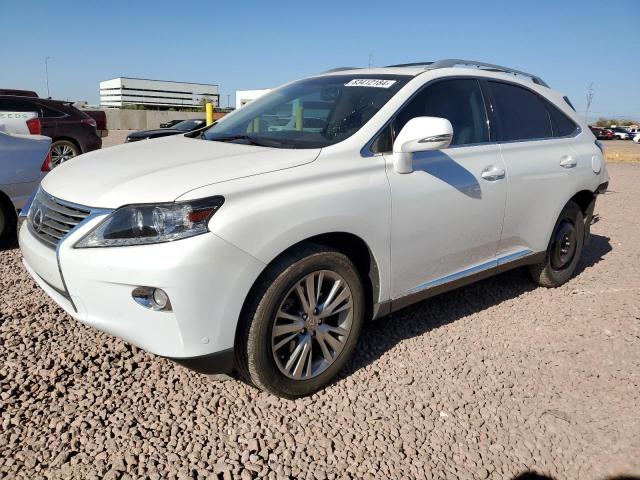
(47, 165)
(89, 121)
(33, 124)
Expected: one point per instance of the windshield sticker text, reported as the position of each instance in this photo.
(369, 82)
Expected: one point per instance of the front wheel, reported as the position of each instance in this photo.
(564, 250)
(301, 322)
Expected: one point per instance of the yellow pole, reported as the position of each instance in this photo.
(209, 109)
(299, 118)
(256, 124)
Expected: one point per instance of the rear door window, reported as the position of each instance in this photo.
(521, 113)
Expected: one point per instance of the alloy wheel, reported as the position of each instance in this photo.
(312, 325)
(61, 153)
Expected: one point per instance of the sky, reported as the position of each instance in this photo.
(260, 44)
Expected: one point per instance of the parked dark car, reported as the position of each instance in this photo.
(72, 132)
(180, 127)
(170, 123)
(101, 121)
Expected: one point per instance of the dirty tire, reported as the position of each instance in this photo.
(255, 360)
(7, 220)
(564, 250)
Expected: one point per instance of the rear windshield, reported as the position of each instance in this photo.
(311, 113)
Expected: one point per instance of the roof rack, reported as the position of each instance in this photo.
(341, 69)
(414, 64)
(452, 62)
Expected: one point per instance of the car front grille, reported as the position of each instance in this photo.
(50, 219)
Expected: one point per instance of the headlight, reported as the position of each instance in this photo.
(145, 224)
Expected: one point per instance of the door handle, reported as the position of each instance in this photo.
(568, 161)
(492, 173)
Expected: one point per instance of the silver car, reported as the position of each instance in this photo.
(24, 160)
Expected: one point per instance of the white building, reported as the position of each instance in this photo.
(121, 91)
(245, 96)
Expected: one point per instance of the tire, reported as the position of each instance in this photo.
(268, 359)
(62, 151)
(564, 250)
(7, 220)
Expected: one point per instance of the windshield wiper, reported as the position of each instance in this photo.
(248, 138)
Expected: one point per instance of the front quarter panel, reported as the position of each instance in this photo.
(266, 214)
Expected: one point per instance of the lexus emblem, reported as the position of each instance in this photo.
(38, 216)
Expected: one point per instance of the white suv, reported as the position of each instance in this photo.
(262, 244)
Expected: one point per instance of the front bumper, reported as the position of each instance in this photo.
(206, 278)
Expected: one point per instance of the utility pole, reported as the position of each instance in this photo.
(46, 74)
(371, 60)
(589, 100)
(228, 99)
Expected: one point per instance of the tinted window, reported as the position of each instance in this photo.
(49, 112)
(562, 125)
(459, 101)
(521, 113)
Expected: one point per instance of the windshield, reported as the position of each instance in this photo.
(312, 113)
(188, 125)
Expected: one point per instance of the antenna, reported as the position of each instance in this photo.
(590, 95)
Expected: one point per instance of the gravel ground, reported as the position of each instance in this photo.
(489, 381)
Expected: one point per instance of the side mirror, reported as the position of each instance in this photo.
(419, 135)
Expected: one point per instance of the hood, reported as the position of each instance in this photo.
(158, 132)
(163, 169)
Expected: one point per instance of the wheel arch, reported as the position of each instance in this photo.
(68, 139)
(352, 246)
(583, 198)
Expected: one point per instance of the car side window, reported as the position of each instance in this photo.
(48, 112)
(563, 126)
(459, 101)
(521, 113)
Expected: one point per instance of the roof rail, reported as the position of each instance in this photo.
(452, 62)
(414, 64)
(340, 69)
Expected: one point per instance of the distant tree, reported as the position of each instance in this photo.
(607, 122)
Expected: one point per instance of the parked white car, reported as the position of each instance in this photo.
(264, 250)
(637, 138)
(24, 160)
(620, 133)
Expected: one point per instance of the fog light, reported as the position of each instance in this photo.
(160, 298)
(152, 298)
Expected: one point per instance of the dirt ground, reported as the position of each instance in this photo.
(621, 151)
(489, 381)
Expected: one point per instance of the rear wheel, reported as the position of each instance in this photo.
(302, 322)
(63, 150)
(564, 250)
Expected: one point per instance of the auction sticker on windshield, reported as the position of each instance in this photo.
(369, 82)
